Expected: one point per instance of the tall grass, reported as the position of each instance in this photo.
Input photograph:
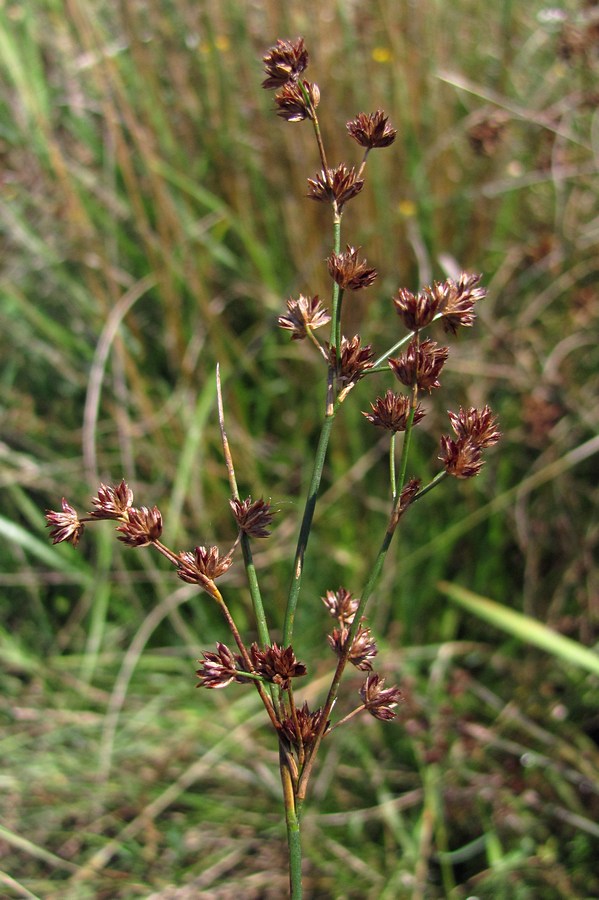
(152, 226)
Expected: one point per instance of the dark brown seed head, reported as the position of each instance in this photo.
(416, 310)
(480, 426)
(308, 725)
(349, 271)
(353, 360)
(140, 527)
(203, 565)
(284, 62)
(112, 501)
(377, 700)
(456, 300)
(252, 517)
(295, 104)
(341, 605)
(392, 412)
(363, 648)
(421, 364)
(65, 525)
(303, 313)
(340, 184)
(276, 664)
(372, 130)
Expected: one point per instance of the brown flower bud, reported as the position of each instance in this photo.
(303, 313)
(363, 648)
(202, 565)
(65, 525)
(253, 518)
(480, 426)
(421, 364)
(461, 458)
(219, 669)
(392, 412)
(276, 664)
(302, 729)
(295, 104)
(141, 527)
(284, 62)
(350, 272)
(340, 184)
(377, 700)
(456, 300)
(353, 360)
(372, 130)
(416, 310)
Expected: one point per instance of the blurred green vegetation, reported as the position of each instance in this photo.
(153, 221)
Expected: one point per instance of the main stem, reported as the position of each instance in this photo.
(293, 830)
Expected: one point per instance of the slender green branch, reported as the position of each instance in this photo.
(293, 829)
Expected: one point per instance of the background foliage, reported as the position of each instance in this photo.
(153, 222)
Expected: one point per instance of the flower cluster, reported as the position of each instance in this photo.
(475, 430)
(284, 63)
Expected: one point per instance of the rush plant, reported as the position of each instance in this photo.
(414, 363)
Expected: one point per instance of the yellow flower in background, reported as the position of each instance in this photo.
(381, 54)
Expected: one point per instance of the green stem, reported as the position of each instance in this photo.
(298, 563)
(294, 844)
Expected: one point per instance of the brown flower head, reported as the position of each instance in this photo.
(308, 725)
(416, 310)
(341, 605)
(276, 664)
(203, 565)
(480, 426)
(284, 62)
(372, 130)
(377, 700)
(141, 526)
(408, 494)
(65, 525)
(392, 412)
(252, 517)
(456, 300)
(219, 669)
(350, 272)
(339, 184)
(421, 364)
(363, 648)
(303, 313)
(112, 501)
(352, 362)
(295, 104)
(461, 458)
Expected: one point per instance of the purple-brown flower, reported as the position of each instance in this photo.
(363, 648)
(65, 525)
(253, 517)
(371, 130)
(352, 362)
(416, 310)
(456, 300)
(421, 364)
(141, 526)
(297, 102)
(284, 62)
(203, 565)
(480, 426)
(113, 501)
(377, 700)
(461, 458)
(276, 664)
(339, 184)
(392, 412)
(303, 313)
(349, 271)
(219, 669)
(341, 605)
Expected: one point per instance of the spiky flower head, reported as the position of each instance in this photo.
(301, 729)
(416, 310)
(140, 527)
(349, 271)
(303, 313)
(392, 412)
(461, 458)
(363, 648)
(478, 425)
(65, 525)
(421, 364)
(203, 565)
(113, 501)
(341, 605)
(456, 300)
(284, 62)
(252, 516)
(353, 360)
(219, 669)
(379, 701)
(276, 664)
(297, 102)
(372, 130)
(339, 184)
